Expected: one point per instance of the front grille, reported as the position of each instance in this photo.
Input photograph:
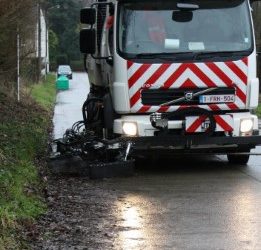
(155, 97)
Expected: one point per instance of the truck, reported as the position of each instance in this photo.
(176, 76)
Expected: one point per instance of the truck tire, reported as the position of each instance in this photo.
(238, 159)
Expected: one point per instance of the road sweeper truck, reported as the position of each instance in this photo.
(174, 75)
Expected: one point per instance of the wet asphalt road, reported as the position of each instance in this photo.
(192, 203)
(182, 203)
(69, 103)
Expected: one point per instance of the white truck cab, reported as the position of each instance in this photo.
(179, 75)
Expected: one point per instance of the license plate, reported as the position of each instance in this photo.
(216, 98)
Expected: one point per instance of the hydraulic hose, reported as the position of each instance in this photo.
(89, 114)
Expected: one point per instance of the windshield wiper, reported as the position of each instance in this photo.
(153, 55)
(162, 55)
(187, 55)
(209, 54)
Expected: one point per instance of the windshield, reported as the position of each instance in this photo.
(64, 69)
(161, 27)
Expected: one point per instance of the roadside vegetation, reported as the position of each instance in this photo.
(44, 93)
(64, 27)
(258, 111)
(23, 139)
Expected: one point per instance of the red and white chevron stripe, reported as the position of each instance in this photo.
(187, 75)
(196, 124)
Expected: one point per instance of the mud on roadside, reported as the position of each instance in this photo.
(81, 215)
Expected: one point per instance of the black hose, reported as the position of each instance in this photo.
(89, 116)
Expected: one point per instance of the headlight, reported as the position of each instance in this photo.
(130, 128)
(246, 125)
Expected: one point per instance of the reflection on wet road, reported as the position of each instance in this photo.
(192, 203)
(132, 234)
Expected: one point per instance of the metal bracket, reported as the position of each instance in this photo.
(127, 150)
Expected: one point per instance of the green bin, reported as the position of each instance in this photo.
(62, 83)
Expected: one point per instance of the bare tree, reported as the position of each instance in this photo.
(16, 16)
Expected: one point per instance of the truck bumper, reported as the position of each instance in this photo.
(175, 137)
(213, 144)
(145, 129)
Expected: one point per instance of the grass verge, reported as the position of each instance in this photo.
(258, 111)
(23, 139)
(44, 93)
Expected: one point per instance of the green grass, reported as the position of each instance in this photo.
(258, 111)
(44, 93)
(23, 142)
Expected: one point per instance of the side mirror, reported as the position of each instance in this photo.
(88, 16)
(88, 41)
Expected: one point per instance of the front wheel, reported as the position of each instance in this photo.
(238, 158)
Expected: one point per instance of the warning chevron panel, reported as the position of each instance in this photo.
(233, 74)
(199, 124)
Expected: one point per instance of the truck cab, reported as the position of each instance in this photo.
(179, 75)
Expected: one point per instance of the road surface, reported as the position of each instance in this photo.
(183, 203)
(69, 104)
